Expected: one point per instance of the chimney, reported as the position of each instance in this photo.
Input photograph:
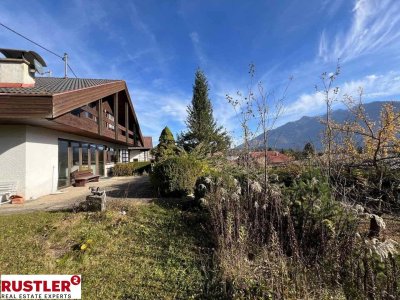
(18, 68)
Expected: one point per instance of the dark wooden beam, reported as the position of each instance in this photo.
(65, 102)
(79, 123)
(127, 121)
(18, 106)
(100, 118)
(116, 115)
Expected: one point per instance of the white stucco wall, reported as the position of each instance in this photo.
(139, 155)
(42, 162)
(29, 157)
(13, 155)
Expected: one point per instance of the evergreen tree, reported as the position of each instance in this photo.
(166, 146)
(308, 150)
(166, 136)
(202, 128)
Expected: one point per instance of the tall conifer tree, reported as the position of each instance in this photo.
(202, 128)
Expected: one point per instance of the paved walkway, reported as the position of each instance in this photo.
(129, 188)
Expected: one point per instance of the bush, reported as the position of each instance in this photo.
(176, 176)
(265, 236)
(129, 169)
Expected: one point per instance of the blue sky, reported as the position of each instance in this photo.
(156, 46)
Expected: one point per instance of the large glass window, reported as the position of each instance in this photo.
(100, 151)
(111, 157)
(63, 173)
(93, 160)
(124, 155)
(85, 156)
(75, 156)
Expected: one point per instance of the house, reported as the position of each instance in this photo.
(273, 157)
(50, 127)
(141, 153)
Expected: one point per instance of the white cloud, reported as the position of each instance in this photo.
(194, 36)
(322, 49)
(375, 87)
(157, 109)
(306, 104)
(151, 46)
(375, 26)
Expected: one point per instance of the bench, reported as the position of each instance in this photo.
(81, 177)
(7, 189)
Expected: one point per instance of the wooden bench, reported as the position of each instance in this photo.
(7, 189)
(81, 177)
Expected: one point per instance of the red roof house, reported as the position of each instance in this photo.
(273, 157)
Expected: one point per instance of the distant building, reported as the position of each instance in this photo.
(273, 157)
(50, 127)
(142, 153)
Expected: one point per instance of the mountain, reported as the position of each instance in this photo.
(296, 134)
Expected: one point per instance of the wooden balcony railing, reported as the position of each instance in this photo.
(96, 120)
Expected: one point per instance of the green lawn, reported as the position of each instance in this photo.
(155, 251)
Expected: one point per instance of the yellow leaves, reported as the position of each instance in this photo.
(349, 146)
(380, 139)
(369, 146)
(389, 130)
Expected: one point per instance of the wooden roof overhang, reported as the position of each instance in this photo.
(45, 109)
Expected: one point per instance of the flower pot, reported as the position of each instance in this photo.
(17, 199)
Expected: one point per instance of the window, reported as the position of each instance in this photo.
(85, 155)
(109, 116)
(77, 112)
(124, 155)
(100, 157)
(111, 157)
(93, 162)
(76, 157)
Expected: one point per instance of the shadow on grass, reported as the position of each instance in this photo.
(139, 188)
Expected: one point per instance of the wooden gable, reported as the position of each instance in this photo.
(104, 111)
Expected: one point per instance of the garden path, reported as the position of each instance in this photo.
(137, 188)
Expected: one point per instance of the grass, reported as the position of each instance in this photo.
(155, 251)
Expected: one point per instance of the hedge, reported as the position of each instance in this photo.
(176, 176)
(132, 168)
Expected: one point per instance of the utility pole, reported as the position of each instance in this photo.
(65, 59)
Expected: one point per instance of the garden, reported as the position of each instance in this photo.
(323, 225)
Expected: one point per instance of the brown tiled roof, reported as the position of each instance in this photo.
(148, 142)
(53, 85)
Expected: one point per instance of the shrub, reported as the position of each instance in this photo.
(293, 239)
(176, 176)
(129, 169)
